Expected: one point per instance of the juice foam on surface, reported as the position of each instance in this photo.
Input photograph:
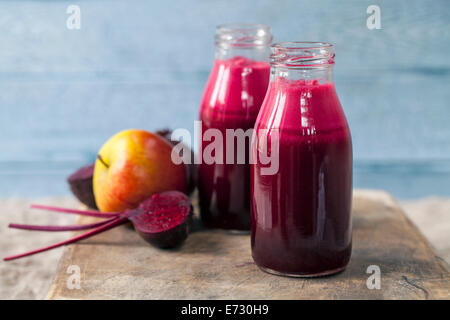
(235, 89)
(302, 108)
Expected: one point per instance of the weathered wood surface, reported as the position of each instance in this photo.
(217, 265)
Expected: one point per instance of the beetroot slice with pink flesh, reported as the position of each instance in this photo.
(81, 185)
(164, 220)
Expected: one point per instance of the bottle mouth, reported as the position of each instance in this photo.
(243, 35)
(302, 54)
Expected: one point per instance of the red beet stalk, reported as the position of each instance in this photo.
(75, 227)
(79, 212)
(104, 227)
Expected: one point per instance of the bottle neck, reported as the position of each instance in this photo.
(250, 41)
(322, 75)
(302, 61)
(253, 53)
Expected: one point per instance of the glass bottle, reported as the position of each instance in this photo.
(301, 213)
(232, 98)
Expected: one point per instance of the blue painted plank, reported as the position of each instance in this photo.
(144, 64)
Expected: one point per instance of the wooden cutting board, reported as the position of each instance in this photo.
(213, 264)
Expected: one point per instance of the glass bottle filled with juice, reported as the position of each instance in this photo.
(301, 213)
(232, 98)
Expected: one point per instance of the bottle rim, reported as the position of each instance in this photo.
(302, 54)
(243, 35)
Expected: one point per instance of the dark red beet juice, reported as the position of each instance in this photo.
(301, 215)
(232, 98)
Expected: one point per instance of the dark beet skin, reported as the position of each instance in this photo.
(81, 185)
(171, 238)
(164, 220)
(191, 168)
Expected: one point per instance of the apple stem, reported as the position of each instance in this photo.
(59, 228)
(99, 157)
(109, 225)
(79, 212)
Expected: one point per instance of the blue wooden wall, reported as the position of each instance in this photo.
(143, 64)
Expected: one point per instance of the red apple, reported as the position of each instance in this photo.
(133, 165)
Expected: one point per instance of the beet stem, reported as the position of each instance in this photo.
(107, 226)
(79, 212)
(74, 227)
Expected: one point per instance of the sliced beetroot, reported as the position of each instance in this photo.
(164, 220)
(191, 168)
(81, 185)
